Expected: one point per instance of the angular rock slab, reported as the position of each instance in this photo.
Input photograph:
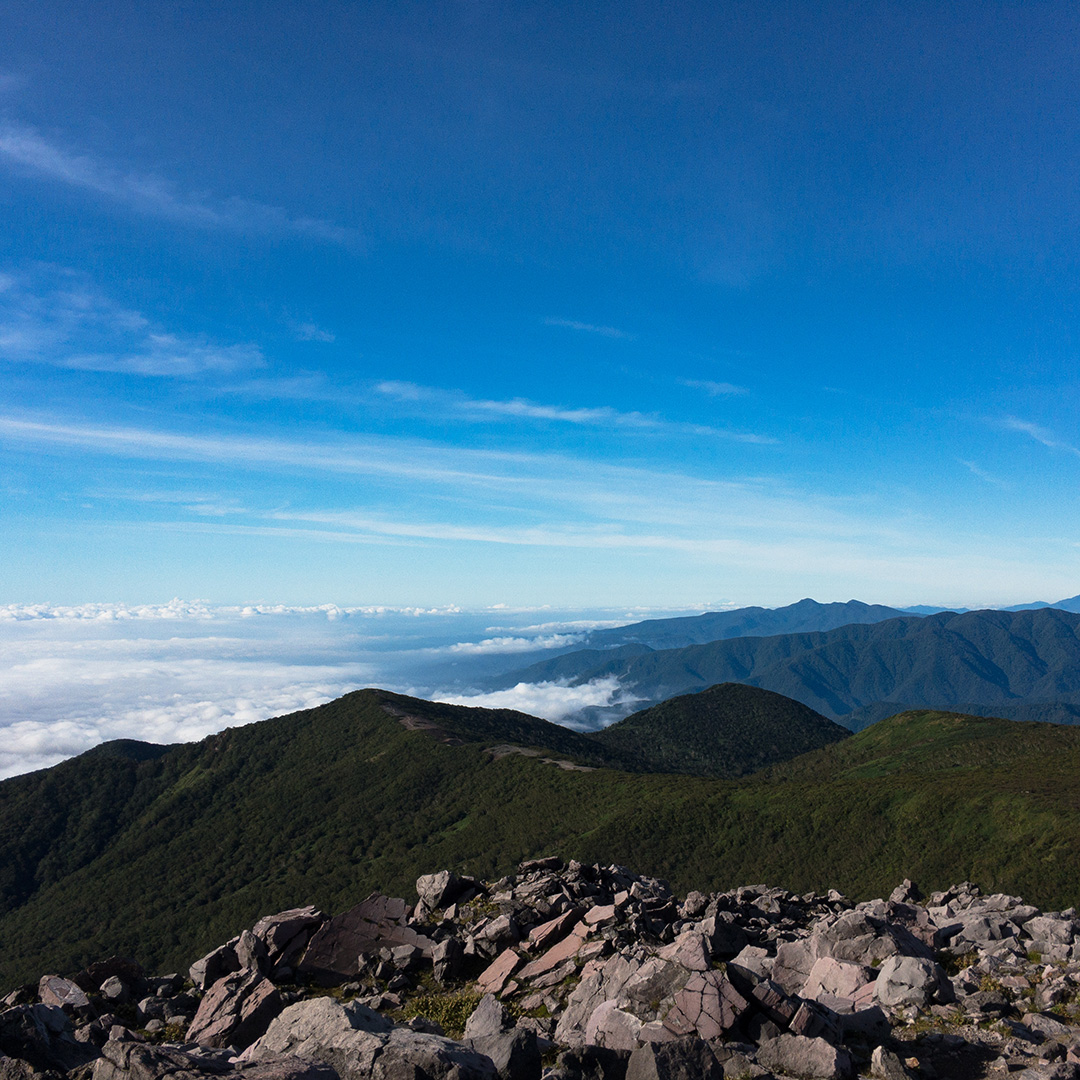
(708, 1006)
(811, 1059)
(333, 954)
(235, 1011)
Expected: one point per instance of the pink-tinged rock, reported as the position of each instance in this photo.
(592, 949)
(689, 950)
(775, 1004)
(498, 971)
(863, 998)
(547, 934)
(332, 956)
(286, 933)
(612, 1027)
(55, 990)
(841, 978)
(235, 1011)
(707, 1005)
(600, 914)
(558, 954)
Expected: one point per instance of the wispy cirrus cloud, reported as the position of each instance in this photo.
(55, 316)
(1039, 434)
(591, 328)
(309, 331)
(28, 150)
(714, 389)
(461, 406)
(982, 474)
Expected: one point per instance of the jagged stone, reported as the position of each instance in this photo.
(490, 1017)
(14, 1069)
(885, 1065)
(235, 1011)
(56, 990)
(286, 934)
(604, 983)
(446, 958)
(515, 1053)
(43, 1036)
(359, 1044)
(707, 1005)
(689, 950)
(91, 978)
(680, 1059)
(812, 1059)
(557, 954)
(215, 965)
(333, 954)
(910, 980)
(839, 978)
(590, 1063)
(612, 1027)
(498, 972)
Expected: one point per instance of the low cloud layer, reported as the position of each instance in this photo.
(555, 701)
(73, 676)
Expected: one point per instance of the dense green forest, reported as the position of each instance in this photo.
(162, 853)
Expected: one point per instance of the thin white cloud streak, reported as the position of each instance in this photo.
(982, 474)
(714, 389)
(590, 328)
(57, 317)
(553, 701)
(521, 409)
(1039, 434)
(596, 506)
(26, 148)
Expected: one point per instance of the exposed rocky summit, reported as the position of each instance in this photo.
(576, 972)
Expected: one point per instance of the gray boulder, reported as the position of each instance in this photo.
(812, 1059)
(490, 1017)
(680, 1059)
(43, 1036)
(362, 1045)
(515, 1053)
(911, 980)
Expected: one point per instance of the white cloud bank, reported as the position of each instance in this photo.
(73, 676)
(555, 701)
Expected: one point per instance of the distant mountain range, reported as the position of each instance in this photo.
(161, 852)
(1020, 664)
(805, 616)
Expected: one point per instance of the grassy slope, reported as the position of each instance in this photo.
(325, 805)
(728, 730)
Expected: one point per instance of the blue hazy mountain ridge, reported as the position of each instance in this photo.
(802, 617)
(1018, 664)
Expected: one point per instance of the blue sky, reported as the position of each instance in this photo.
(588, 306)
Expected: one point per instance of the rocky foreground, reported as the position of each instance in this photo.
(576, 972)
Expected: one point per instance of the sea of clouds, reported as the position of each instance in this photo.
(75, 676)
